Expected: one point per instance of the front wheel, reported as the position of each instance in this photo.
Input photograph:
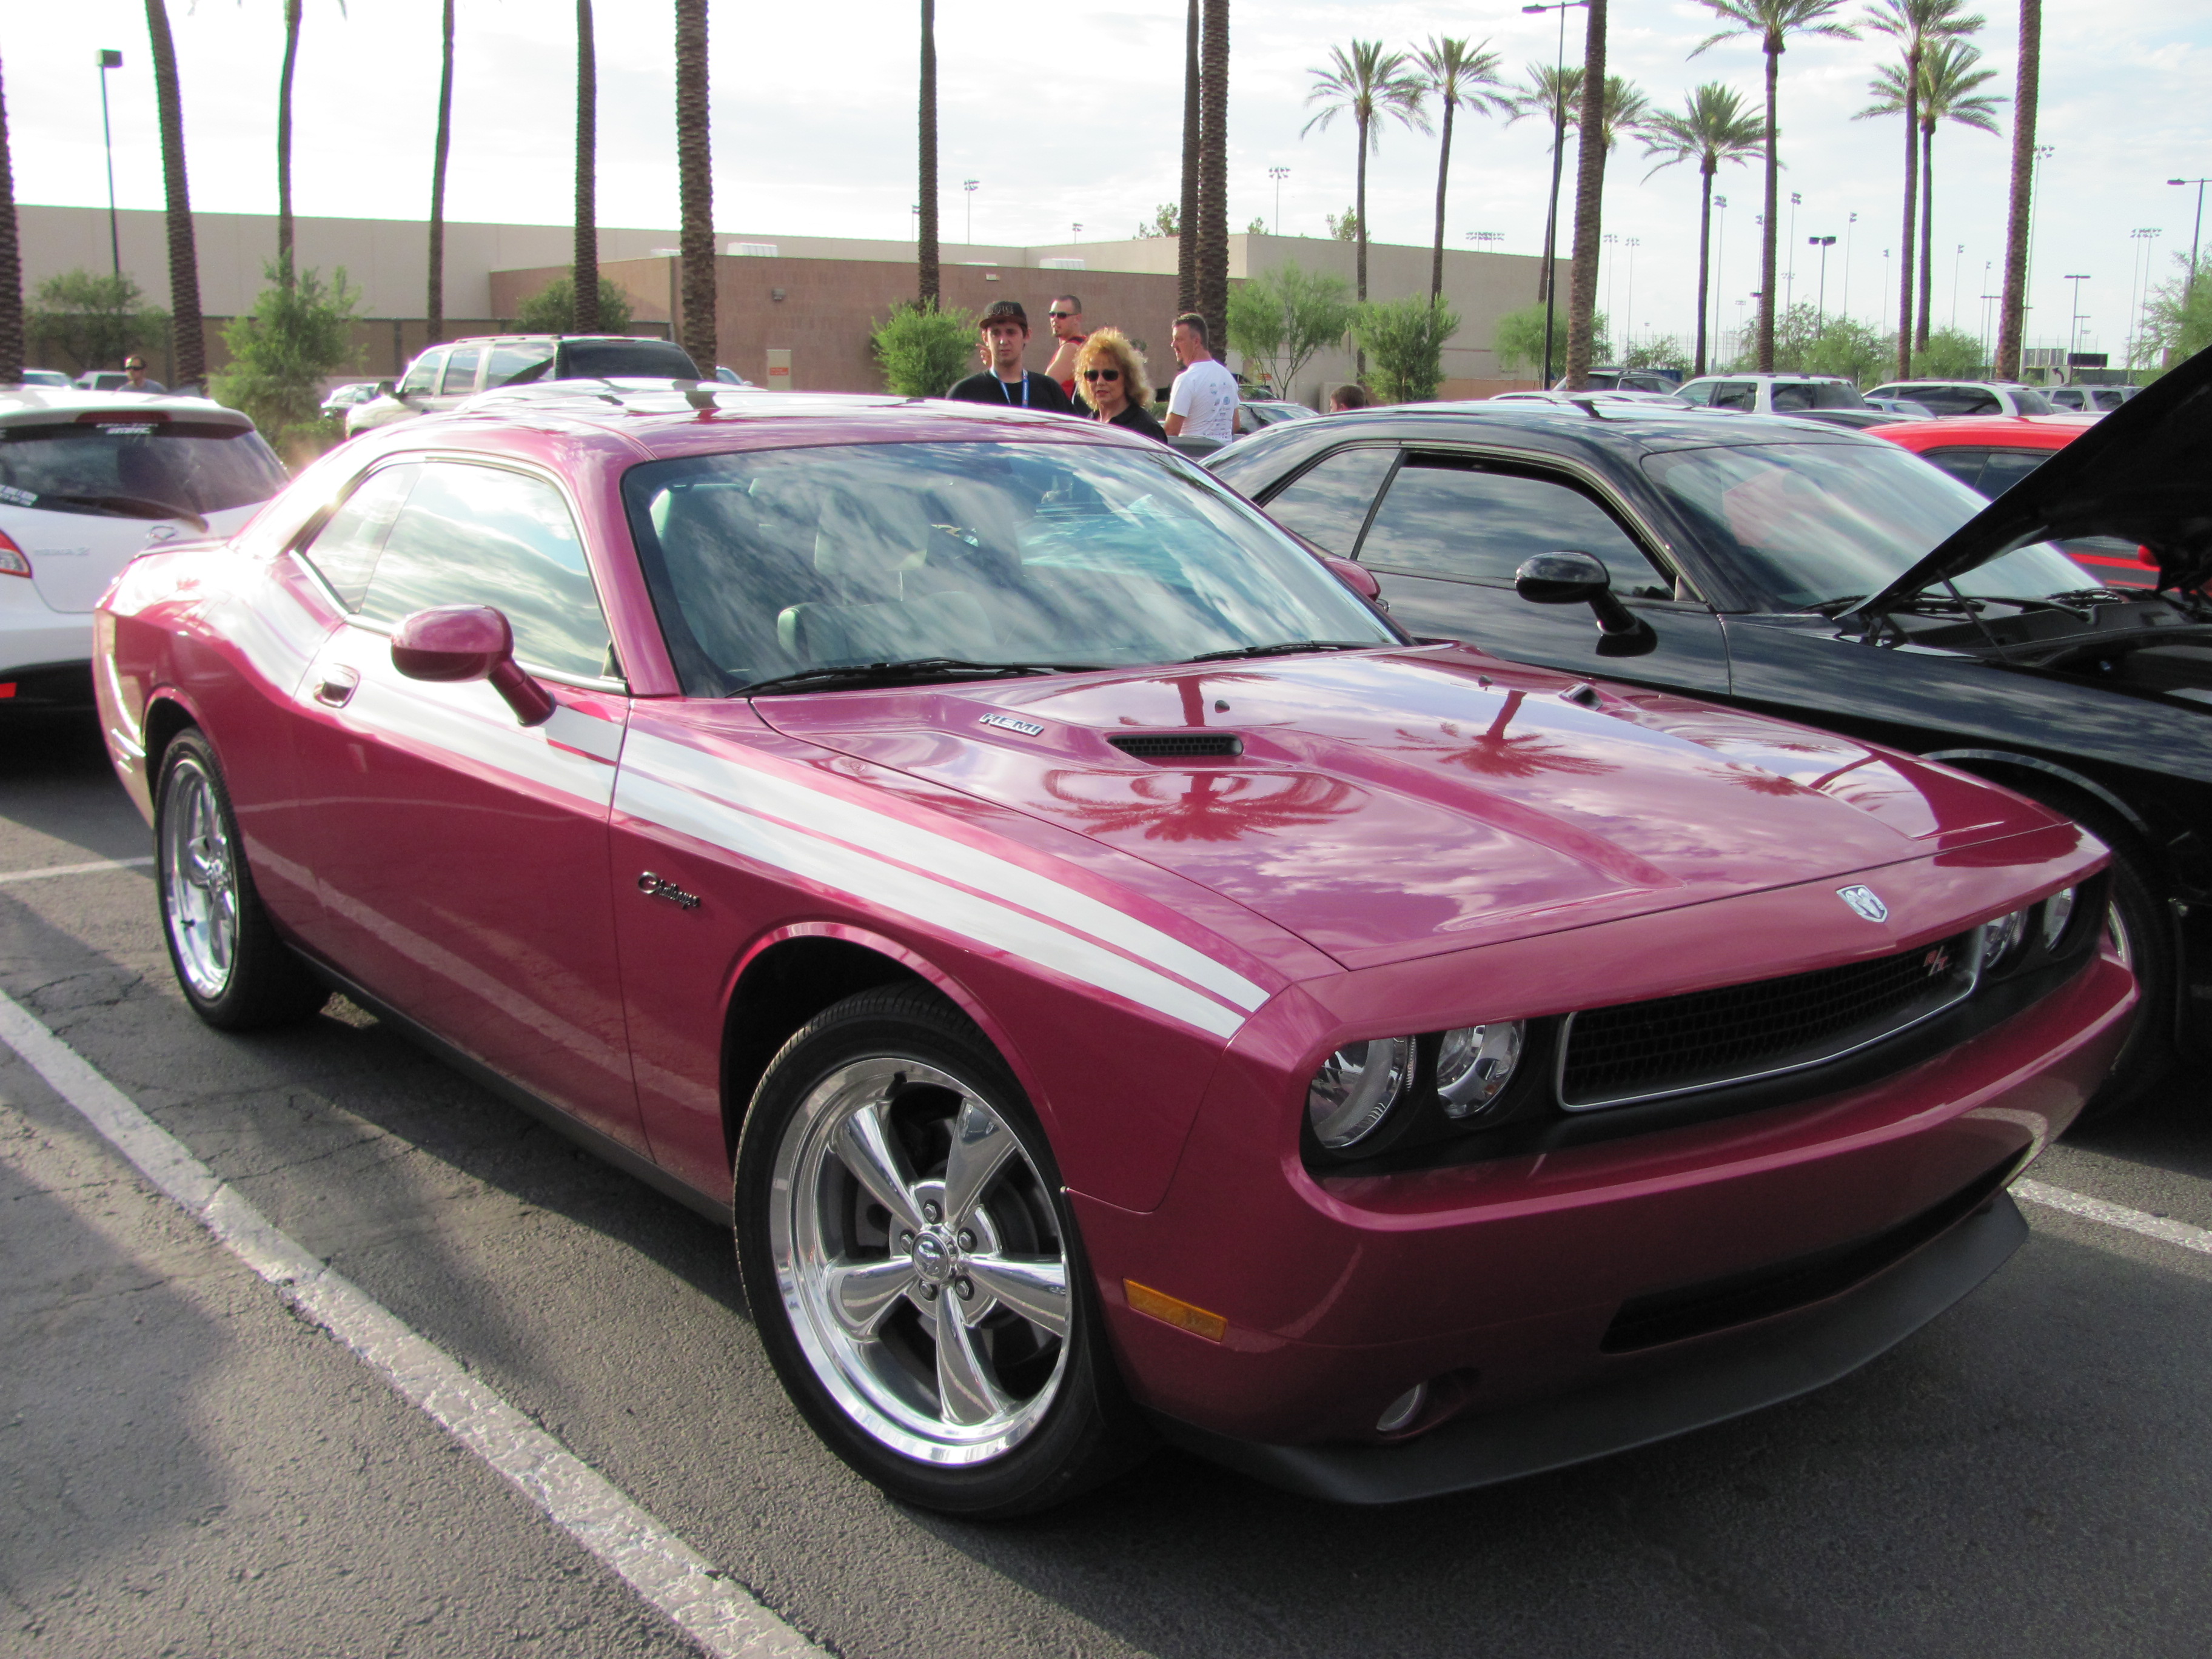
(914, 1268)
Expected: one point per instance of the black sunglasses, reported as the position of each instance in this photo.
(1062, 316)
(1102, 373)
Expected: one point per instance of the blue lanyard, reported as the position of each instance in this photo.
(1010, 396)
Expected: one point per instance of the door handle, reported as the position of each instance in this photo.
(337, 685)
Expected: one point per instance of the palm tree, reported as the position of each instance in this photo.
(584, 317)
(1187, 211)
(435, 299)
(1713, 127)
(1553, 93)
(1948, 80)
(1212, 173)
(1773, 21)
(1460, 77)
(1589, 192)
(1367, 83)
(11, 266)
(926, 191)
(1917, 24)
(2012, 311)
(695, 183)
(187, 345)
(292, 16)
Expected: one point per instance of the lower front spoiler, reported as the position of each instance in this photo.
(1721, 1377)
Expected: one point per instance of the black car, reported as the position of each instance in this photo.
(1788, 568)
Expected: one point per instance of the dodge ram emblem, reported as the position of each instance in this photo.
(1863, 900)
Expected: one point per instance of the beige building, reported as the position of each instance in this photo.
(811, 297)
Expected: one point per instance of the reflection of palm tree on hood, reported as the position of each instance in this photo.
(1493, 754)
(1204, 806)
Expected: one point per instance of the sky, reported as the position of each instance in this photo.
(1067, 116)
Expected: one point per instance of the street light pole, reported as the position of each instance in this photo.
(1955, 260)
(1720, 246)
(2188, 286)
(1628, 316)
(1848, 223)
(1559, 155)
(1789, 277)
(109, 59)
(2074, 332)
(1278, 174)
(1821, 313)
(968, 185)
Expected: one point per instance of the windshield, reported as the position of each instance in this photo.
(1816, 394)
(772, 563)
(1815, 523)
(199, 467)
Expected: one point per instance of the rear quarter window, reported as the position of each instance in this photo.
(596, 360)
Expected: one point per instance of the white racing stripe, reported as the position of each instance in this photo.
(2160, 1227)
(708, 1606)
(73, 869)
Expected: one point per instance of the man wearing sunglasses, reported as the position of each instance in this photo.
(134, 374)
(1068, 334)
(1005, 332)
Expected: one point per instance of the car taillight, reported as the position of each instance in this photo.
(13, 561)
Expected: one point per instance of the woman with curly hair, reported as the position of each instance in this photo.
(1109, 376)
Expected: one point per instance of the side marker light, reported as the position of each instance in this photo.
(1171, 1310)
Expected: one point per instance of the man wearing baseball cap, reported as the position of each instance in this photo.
(1005, 331)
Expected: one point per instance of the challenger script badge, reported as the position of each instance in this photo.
(1862, 900)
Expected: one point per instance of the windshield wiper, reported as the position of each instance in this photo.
(129, 507)
(1284, 649)
(883, 673)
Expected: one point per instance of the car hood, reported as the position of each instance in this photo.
(2139, 472)
(1396, 804)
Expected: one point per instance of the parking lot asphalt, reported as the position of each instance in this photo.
(191, 1468)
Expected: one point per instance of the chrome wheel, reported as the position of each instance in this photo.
(919, 1256)
(199, 880)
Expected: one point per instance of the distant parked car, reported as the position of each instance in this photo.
(1904, 408)
(1945, 399)
(444, 375)
(345, 397)
(45, 377)
(1595, 394)
(101, 379)
(1610, 379)
(2087, 400)
(1772, 394)
(1252, 413)
(729, 376)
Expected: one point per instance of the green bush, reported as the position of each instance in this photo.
(552, 309)
(1518, 340)
(94, 321)
(1280, 319)
(1665, 352)
(922, 350)
(1405, 341)
(2177, 317)
(281, 354)
(1951, 354)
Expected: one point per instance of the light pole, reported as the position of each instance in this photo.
(2073, 333)
(1720, 246)
(1558, 155)
(2139, 296)
(109, 59)
(1789, 277)
(1955, 258)
(1078, 230)
(1821, 313)
(1278, 174)
(968, 185)
(1628, 314)
(2189, 286)
(1611, 316)
(1848, 223)
(1479, 237)
(2043, 153)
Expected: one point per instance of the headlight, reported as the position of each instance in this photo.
(2057, 911)
(2001, 937)
(1356, 1088)
(1475, 1063)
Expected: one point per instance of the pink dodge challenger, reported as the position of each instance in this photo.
(1114, 981)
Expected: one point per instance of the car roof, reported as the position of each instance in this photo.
(1772, 375)
(548, 340)
(41, 405)
(1620, 428)
(2031, 431)
(1900, 387)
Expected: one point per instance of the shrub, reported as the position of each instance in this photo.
(281, 354)
(94, 321)
(1951, 354)
(1518, 339)
(922, 350)
(552, 309)
(1405, 338)
(2177, 317)
(1280, 319)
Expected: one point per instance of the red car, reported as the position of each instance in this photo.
(1991, 453)
(1112, 980)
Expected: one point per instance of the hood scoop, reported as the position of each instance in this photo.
(1180, 745)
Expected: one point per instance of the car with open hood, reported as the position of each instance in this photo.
(1829, 578)
(1114, 981)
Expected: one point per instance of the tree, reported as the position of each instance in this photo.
(1773, 21)
(1917, 24)
(434, 298)
(585, 290)
(695, 181)
(1213, 170)
(1188, 212)
(1948, 80)
(2177, 316)
(1518, 339)
(186, 337)
(1665, 352)
(292, 9)
(93, 319)
(1367, 84)
(1283, 316)
(1589, 191)
(921, 349)
(298, 333)
(11, 266)
(1461, 76)
(1713, 127)
(553, 307)
(1949, 353)
(926, 191)
(1344, 226)
(1165, 221)
(1406, 338)
(1553, 92)
(2012, 310)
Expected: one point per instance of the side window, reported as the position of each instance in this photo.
(2007, 467)
(1962, 461)
(1328, 503)
(1736, 394)
(1792, 396)
(461, 371)
(1698, 391)
(481, 535)
(1957, 400)
(423, 375)
(513, 365)
(344, 551)
(1445, 518)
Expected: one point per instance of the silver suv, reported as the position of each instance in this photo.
(1772, 394)
(1968, 397)
(445, 376)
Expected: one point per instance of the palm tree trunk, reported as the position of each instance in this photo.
(1212, 176)
(1927, 232)
(1589, 191)
(695, 183)
(584, 317)
(186, 341)
(1443, 168)
(2012, 311)
(284, 142)
(11, 266)
(1911, 204)
(1705, 260)
(1767, 226)
(434, 298)
(926, 191)
(1360, 220)
(1187, 210)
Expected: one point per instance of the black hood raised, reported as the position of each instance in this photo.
(2143, 472)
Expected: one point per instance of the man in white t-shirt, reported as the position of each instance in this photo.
(1203, 400)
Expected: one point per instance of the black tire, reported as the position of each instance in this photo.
(910, 1064)
(234, 971)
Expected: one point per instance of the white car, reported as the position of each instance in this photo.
(1772, 394)
(1949, 398)
(88, 481)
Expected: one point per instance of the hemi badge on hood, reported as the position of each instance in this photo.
(1865, 901)
(1007, 722)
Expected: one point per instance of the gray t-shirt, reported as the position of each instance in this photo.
(1205, 395)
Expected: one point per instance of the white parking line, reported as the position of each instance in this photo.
(2116, 1215)
(704, 1602)
(73, 869)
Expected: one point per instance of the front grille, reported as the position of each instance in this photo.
(1708, 1039)
(1180, 745)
